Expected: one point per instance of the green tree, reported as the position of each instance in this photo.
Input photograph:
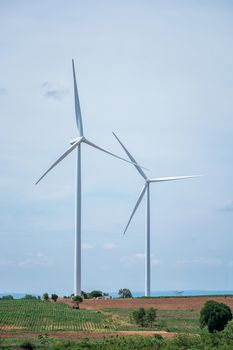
(84, 295)
(215, 316)
(95, 294)
(139, 316)
(54, 297)
(29, 296)
(77, 298)
(7, 297)
(46, 296)
(144, 318)
(125, 293)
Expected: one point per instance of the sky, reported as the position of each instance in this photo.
(159, 74)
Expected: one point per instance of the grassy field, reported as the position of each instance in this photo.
(180, 321)
(42, 316)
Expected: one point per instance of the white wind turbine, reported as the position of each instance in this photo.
(76, 144)
(146, 189)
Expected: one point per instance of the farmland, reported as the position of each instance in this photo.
(36, 316)
(98, 318)
(40, 316)
(86, 328)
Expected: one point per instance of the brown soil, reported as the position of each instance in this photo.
(92, 335)
(179, 303)
(7, 327)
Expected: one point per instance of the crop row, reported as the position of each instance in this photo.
(33, 315)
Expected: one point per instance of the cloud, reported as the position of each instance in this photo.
(3, 91)
(31, 261)
(87, 246)
(109, 246)
(227, 208)
(139, 258)
(201, 261)
(55, 92)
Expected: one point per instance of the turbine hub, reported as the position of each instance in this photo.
(72, 141)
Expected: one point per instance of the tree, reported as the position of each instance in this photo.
(84, 295)
(54, 297)
(29, 296)
(125, 293)
(77, 298)
(46, 296)
(144, 318)
(95, 294)
(215, 316)
(7, 297)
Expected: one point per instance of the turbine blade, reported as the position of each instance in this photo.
(69, 150)
(161, 179)
(108, 152)
(131, 158)
(136, 206)
(77, 104)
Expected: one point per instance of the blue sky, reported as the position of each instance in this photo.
(160, 74)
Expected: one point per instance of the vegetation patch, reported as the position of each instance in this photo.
(29, 315)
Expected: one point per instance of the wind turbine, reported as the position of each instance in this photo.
(76, 144)
(146, 189)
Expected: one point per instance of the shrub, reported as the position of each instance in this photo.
(27, 345)
(29, 296)
(84, 295)
(150, 317)
(77, 298)
(7, 297)
(43, 339)
(215, 316)
(46, 296)
(95, 294)
(144, 318)
(54, 297)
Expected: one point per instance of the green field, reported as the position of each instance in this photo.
(41, 316)
(181, 321)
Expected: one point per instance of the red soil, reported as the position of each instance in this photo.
(178, 303)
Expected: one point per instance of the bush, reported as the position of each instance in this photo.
(215, 316)
(125, 293)
(77, 298)
(7, 297)
(46, 296)
(84, 295)
(29, 296)
(139, 316)
(150, 317)
(144, 318)
(95, 294)
(27, 345)
(54, 297)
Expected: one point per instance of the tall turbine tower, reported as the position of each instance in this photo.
(146, 189)
(76, 144)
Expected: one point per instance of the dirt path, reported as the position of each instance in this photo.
(89, 335)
